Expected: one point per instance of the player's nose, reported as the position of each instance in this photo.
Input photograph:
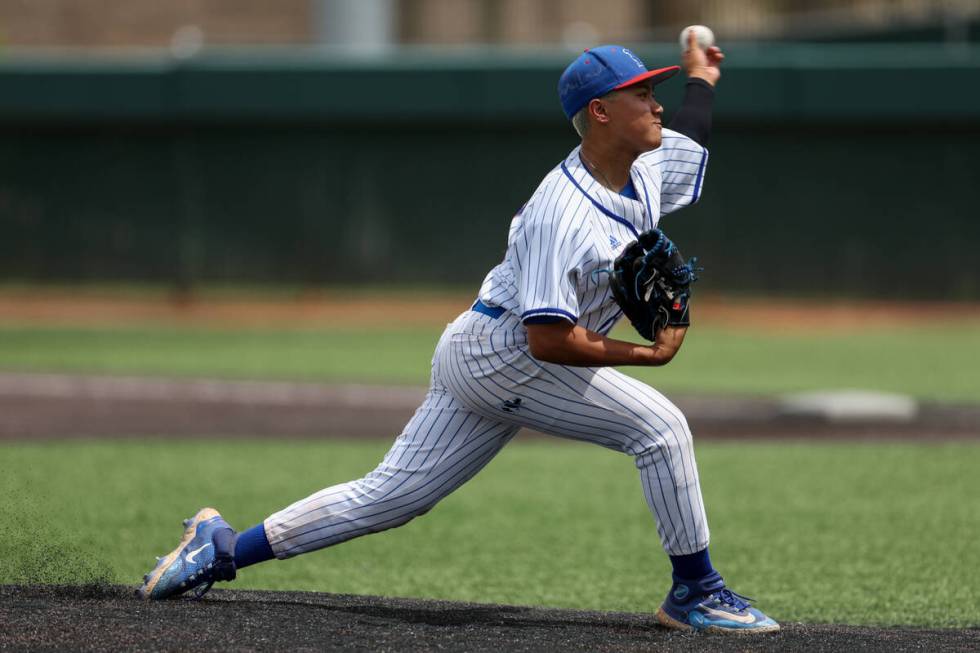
(656, 108)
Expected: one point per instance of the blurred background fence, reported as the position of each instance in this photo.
(837, 169)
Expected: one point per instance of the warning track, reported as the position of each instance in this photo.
(104, 618)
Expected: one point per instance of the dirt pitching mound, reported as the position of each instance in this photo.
(104, 617)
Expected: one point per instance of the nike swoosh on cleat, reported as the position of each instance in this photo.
(192, 554)
(742, 619)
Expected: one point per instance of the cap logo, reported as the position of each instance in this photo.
(639, 64)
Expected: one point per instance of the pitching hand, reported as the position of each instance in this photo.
(703, 64)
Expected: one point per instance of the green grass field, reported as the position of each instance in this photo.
(843, 533)
(937, 362)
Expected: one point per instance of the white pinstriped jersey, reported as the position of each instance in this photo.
(563, 242)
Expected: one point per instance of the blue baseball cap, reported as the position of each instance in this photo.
(602, 69)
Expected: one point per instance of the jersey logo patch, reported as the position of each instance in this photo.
(613, 242)
(511, 405)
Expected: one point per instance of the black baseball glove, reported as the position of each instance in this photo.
(651, 282)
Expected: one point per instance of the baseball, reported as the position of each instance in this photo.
(705, 37)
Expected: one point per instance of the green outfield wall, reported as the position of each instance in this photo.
(841, 170)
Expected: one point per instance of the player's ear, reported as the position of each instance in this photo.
(598, 111)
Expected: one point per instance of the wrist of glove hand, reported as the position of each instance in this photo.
(678, 310)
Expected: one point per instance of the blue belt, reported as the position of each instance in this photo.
(491, 311)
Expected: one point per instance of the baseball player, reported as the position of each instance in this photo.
(533, 351)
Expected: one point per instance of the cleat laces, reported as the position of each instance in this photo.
(734, 600)
(207, 578)
(221, 567)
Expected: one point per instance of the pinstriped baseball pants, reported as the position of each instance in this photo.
(486, 386)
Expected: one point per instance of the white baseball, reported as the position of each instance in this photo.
(705, 37)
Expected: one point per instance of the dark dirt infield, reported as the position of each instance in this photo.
(111, 618)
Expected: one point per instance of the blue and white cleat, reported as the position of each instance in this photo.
(706, 605)
(205, 554)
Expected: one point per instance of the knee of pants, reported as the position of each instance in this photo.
(671, 440)
(403, 518)
(383, 487)
(409, 500)
(674, 422)
(378, 517)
